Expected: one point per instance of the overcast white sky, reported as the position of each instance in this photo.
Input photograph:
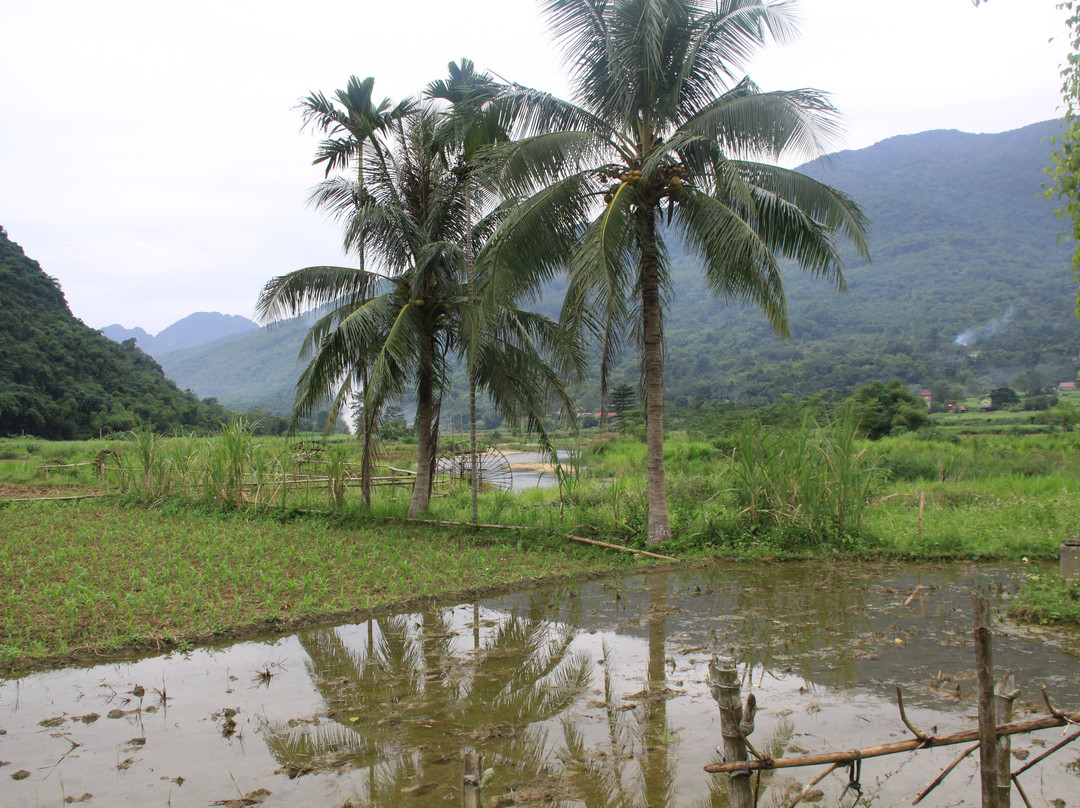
(151, 156)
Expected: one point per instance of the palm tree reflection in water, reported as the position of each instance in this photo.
(405, 696)
(426, 685)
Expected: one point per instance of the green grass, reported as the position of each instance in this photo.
(98, 575)
(102, 574)
(1046, 599)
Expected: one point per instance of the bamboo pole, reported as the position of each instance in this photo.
(443, 523)
(984, 677)
(470, 779)
(1005, 694)
(949, 739)
(724, 684)
(937, 781)
(633, 550)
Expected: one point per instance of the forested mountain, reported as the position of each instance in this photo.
(61, 379)
(964, 249)
(962, 243)
(257, 369)
(196, 329)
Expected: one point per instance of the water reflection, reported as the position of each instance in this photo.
(425, 685)
(590, 695)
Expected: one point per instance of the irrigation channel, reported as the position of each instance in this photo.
(575, 695)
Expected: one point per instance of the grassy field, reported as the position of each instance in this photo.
(203, 536)
(97, 574)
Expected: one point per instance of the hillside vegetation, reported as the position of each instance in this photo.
(962, 240)
(61, 379)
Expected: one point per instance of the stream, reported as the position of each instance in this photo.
(589, 694)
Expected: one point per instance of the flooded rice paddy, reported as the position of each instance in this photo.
(593, 694)
(533, 469)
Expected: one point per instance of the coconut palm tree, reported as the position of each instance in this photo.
(663, 140)
(351, 125)
(473, 125)
(410, 320)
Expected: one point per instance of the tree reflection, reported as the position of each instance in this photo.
(403, 704)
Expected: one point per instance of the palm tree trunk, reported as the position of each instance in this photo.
(604, 360)
(473, 475)
(367, 424)
(367, 420)
(659, 524)
(425, 449)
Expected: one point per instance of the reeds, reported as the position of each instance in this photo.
(813, 482)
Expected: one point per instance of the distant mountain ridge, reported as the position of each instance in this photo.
(961, 237)
(255, 369)
(196, 329)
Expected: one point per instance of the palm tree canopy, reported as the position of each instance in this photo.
(352, 122)
(408, 314)
(656, 127)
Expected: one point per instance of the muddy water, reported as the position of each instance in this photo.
(585, 695)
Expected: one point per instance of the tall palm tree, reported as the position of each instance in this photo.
(473, 125)
(408, 321)
(661, 126)
(351, 125)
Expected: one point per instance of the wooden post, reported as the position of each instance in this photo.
(724, 684)
(1070, 561)
(1004, 696)
(922, 507)
(984, 675)
(470, 780)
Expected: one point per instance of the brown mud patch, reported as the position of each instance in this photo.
(31, 493)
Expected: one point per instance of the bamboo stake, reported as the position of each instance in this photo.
(984, 676)
(1023, 796)
(724, 684)
(949, 739)
(62, 499)
(922, 507)
(470, 779)
(453, 524)
(621, 547)
(1005, 694)
(1045, 754)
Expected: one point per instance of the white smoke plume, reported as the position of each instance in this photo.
(981, 333)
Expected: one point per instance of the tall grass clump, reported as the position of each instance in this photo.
(150, 475)
(813, 482)
(226, 464)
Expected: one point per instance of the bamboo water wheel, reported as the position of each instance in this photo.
(454, 467)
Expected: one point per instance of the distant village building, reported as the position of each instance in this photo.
(1066, 386)
(926, 397)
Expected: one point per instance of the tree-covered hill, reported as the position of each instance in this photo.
(256, 369)
(962, 242)
(61, 379)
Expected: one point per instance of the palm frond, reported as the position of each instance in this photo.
(737, 262)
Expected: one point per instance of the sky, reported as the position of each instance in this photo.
(152, 157)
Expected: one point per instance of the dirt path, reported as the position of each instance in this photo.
(25, 493)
